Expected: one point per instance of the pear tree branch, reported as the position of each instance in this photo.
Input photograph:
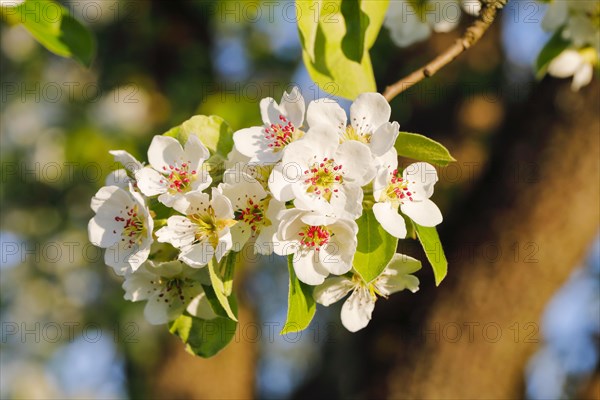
(474, 32)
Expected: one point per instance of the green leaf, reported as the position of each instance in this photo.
(419, 147)
(227, 267)
(307, 25)
(336, 36)
(212, 130)
(301, 305)
(430, 241)
(173, 132)
(549, 52)
(219, 288)
(375, 247)
(215, 303)
(353, 43)
(203, 338)
(52, 26)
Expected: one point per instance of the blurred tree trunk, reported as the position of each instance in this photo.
(228, 375)
(540, 214)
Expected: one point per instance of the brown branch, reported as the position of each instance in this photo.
(473, 33)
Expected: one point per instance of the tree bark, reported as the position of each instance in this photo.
(228, 375)
(528, 231)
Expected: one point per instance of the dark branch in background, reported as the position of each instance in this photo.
(488, 13)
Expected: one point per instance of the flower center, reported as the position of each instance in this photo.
(133, 229)
(254, 214)
(180, 177)
(398, 189)
(323, 178)
(172, 288)
(208, 226)
(352, 134)
(315, 237)
(281, 134)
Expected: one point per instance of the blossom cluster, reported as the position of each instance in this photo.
(577, 26)
(294, 186)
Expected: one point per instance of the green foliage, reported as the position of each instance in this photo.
(432, 246)
(219, 287)
(51, 25)
(203, 338)
(357, 22)
(227, 268)
(212, 130)
(336, 37)
(419, 147)
(375, 247)
(549, 52)
(301, 305)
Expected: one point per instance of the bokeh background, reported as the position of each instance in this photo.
(518, 314)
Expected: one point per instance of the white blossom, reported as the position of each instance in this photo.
(170, 288)
(322, 174)
(321, 245)
(124, 176)
(256, 213)
(409, 191)
(369, 122)
(281, 126)
(573, 63)
(359, 306)
(203, 231)
(174, 170)
(123, 226)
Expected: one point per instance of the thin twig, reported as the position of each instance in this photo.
(473, 33)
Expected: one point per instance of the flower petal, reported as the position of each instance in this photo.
(384, 137)
(279, 185)
(368, 112)
(126, 160)
(270, 111)
(356, 161)
(110, 199)
(293, 107)
(150, 182)
(200, 307)
(350, 198)
(390, 219)
(197, 255)
(118, 178)
(582, 77)
(221, 205)
(357, 310)
(155, 311)
(566, 64)
(421, 178)
(332, 290)
(397, 275)
(424, 212)
(179, 232)
(224, 245)
(240, 233)
(326, 113)
(308, 268)
(163, 152)
(195, 152)
(104, 232)
(251, 142)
